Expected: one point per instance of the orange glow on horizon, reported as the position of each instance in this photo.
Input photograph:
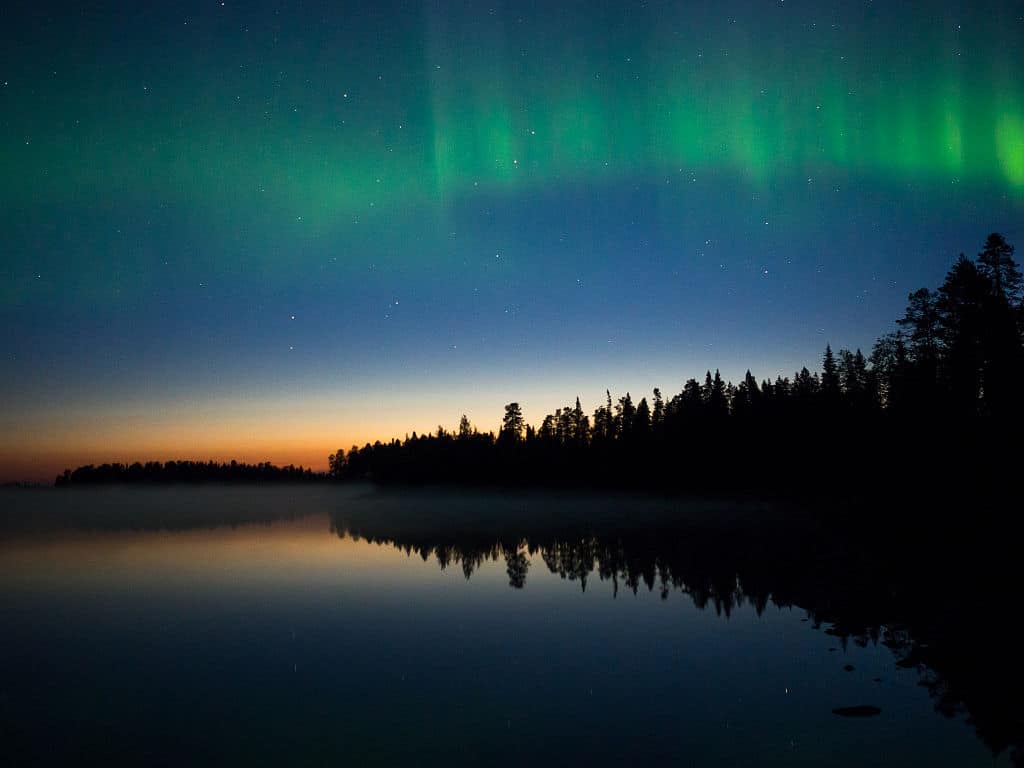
(42, 462)
(299, 426)
(39, 446)
(301, 436)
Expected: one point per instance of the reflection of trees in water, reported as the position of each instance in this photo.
(579, 560)
(863, 594)
(516, 566)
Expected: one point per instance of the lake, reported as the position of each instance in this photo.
(309, 625)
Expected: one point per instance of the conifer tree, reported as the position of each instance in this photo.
(642, 419)
(512, 424)
(658, 414)
(830, 385)
(996, 263)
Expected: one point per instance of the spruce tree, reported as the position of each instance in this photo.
(829, 375)
(996, 263)
(642, 419)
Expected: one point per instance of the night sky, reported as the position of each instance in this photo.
(268, 230)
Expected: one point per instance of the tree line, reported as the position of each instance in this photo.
(186, 472)
(936, 394)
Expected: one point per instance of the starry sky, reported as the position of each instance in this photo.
(267, 230)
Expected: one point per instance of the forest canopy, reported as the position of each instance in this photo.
(932, 395)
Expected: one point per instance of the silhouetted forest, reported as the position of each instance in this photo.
(186, 472)
(935, 396)
(932, 399)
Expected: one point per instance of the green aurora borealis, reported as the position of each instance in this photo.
(447, 103)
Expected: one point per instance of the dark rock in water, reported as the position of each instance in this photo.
(861, 710)
(877, 680)
(849, 668)
(906, 663)
(831, 650)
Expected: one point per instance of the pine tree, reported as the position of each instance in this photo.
(889, 370)
(922, 321)
(718, 401)
(962, 305)
(658, 414)
(745, 396)
(830, 384)
(1003, 342)
(625, 413)
(864, 396)
(805, 386)
(548, 430)
(613, 422)
(580, 425)
(565, 424)
(642, 419)
(753, 393)
(512, 424)
(336, 464)
(602, 418)
(996, 263)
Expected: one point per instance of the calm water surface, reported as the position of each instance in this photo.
(175, 626)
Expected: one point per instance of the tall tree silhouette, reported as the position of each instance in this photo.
(625, 413)
(962, 314)
(335, 463)
(717, 401)
(889, 371)
(658, 413)
(580, 424)
(830, 384)
(921, 321)
(512, 424)
(642, 419)
(806, 388)
(996, 263)
(604, 420)
(1003, 344)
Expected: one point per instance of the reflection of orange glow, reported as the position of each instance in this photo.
(277, 554)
